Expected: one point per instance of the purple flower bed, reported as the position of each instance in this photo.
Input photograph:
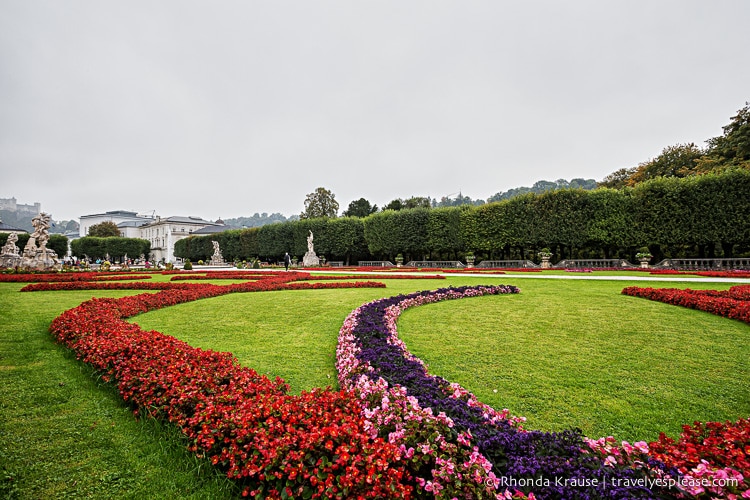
(511, 460)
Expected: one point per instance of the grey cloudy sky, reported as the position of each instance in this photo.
(227, 108)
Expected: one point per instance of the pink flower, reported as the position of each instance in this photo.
(641, 446)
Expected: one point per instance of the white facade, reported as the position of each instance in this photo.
(164, 233)
(116, 216)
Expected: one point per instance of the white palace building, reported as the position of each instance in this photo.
(161, 232)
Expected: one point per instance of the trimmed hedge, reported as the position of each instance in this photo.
(699, 216)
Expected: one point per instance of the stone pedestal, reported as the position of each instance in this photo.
(10, 261)
(216, 259)
(310, 260)
(40, 259)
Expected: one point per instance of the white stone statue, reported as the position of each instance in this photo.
(10, 247)
(310, 259)
(40, 258)
(9, 257)
(216, 258)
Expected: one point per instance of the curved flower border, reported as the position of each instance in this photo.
(397, 391)
(386, 441)
(275, 445)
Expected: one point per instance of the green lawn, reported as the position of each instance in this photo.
(562, 353)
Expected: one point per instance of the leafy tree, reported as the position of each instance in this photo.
(579, 183)
(397, 204)
(734, 146)
(320, 203)
(104, 229)
(674, 161)
(543, 186)
(413, 202)
(256, 220)
(619, 178)
(458, 201)
(360, 208)
(418, 202)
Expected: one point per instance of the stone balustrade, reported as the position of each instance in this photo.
(722, 264)
(375, 263)
(516, 264)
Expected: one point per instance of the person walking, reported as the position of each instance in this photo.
(287, 261)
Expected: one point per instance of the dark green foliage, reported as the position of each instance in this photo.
(379, 235)
(256, 220)
(699, 216)
(94, 247)
(413, 202)
(540, 187)
(347, 235)
(58, 243)
(444, 233)
(730, 150)
(319, 204)
(734, 146)
(104, 229)
(360, 208)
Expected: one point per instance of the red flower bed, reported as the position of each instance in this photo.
(226, 275)
(98, 285)
(68, 277)
(275, 445)
(260, 282)
(733, 303)
(710, 455)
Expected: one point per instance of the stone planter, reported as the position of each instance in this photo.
(644, 262)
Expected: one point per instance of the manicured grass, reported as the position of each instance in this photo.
(291, 334)
(64, 434)
(578, 354)
(561, 353)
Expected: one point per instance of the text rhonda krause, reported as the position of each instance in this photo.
(644, 482)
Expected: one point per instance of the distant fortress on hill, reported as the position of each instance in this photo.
(11, 205)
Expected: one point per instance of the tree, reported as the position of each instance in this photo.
(418, 202)
(320, 204)
(458, 201)
(674, 161)
(413, 202)
(734, 146)
(618, 179)
(104, 229)
(396, 204)
(360, 208)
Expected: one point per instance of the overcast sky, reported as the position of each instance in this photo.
(228, 108)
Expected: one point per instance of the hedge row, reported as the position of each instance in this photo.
(700, 216)
(116, 248)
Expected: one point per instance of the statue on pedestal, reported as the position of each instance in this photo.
(310, 259)
(39, 257)
(9, 257)
(216, 258)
